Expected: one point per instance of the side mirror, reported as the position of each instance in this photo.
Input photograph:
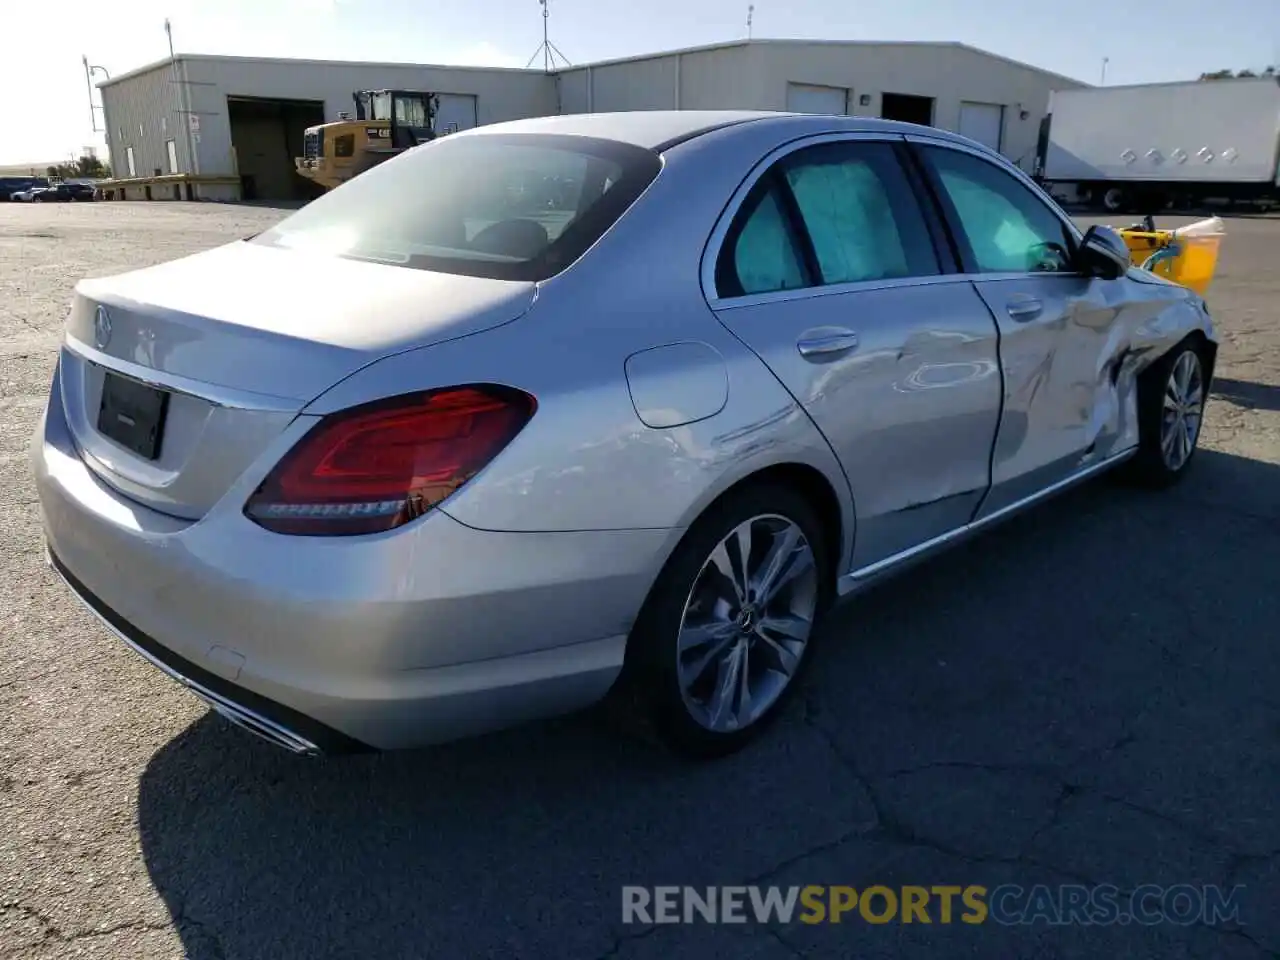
(1103, 253)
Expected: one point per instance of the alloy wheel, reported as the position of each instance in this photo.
(1182, 412)
(746, 623)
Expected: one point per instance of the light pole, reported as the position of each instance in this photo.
(88, 81)
(1105, 61)
(182, 109)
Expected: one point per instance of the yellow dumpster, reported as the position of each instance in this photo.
(1188, 256)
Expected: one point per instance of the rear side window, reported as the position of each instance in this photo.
(834, 213)
(1007, 227)
(860, 213)
(760, 254)
(506, 206)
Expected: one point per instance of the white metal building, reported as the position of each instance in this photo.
(235, 123)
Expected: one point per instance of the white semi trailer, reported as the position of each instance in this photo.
(1150, 146)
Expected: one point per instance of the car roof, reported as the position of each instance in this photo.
(662, 129)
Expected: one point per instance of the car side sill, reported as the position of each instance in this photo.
(863, 577)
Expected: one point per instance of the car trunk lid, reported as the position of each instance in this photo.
(220, 351)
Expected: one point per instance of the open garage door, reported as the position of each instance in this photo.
(983, 122)
(907, 107)
(809, 98)
(455, 111)
(266, 135)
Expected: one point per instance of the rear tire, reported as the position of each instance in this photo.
(715, 655)
(1171, 398)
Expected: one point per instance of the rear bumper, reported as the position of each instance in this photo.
(273, 721)
(425, 634)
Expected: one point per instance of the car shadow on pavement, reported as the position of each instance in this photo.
(1088, 691)
(1246, 393)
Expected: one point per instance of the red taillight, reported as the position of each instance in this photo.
(377, 466)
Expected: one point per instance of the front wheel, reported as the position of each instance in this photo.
(1171, 398)
(729, 626)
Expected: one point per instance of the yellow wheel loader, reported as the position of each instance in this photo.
(387, 122)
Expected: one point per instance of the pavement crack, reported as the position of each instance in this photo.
(1065, 792)
(1193, 830)
(623, 939)
(897, 832)
(1238, 862)
(49, 929)
(183, 922)
(785, 943)
(1239, 933)
(144, 925)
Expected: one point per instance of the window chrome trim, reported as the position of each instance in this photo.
(711, 251)
(836, 289)
(724, 304)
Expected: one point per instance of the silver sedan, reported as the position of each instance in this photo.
(563, 407)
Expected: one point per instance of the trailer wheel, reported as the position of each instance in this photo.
(1113, 199)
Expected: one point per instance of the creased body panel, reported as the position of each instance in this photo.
(1071, 373)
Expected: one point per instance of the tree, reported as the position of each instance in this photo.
(88, 167)
(1238, 74)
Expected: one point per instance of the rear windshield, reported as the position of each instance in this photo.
(506, 206)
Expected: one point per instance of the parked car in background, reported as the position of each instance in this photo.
(636, 436)
(81, 192)
(61, 193)
(11, 186)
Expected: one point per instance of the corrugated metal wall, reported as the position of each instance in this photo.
(142, 112)
(756, 77)
(950, 74)
(500, 94)
(145, 109)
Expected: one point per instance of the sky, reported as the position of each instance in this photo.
(44, 102)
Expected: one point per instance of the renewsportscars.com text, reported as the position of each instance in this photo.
(1008, 904)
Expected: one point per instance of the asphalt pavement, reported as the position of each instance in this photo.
(1086, 696)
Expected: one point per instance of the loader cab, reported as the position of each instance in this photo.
(386, 123)
(408, 115)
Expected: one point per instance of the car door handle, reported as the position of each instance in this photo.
(827, 343)
(1025, 309)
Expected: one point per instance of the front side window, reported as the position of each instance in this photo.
(1008, 228)
(860, 212)
(506, 206)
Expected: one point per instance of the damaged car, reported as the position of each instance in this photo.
(430, 457)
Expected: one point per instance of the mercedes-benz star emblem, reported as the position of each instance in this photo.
(101, 327)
